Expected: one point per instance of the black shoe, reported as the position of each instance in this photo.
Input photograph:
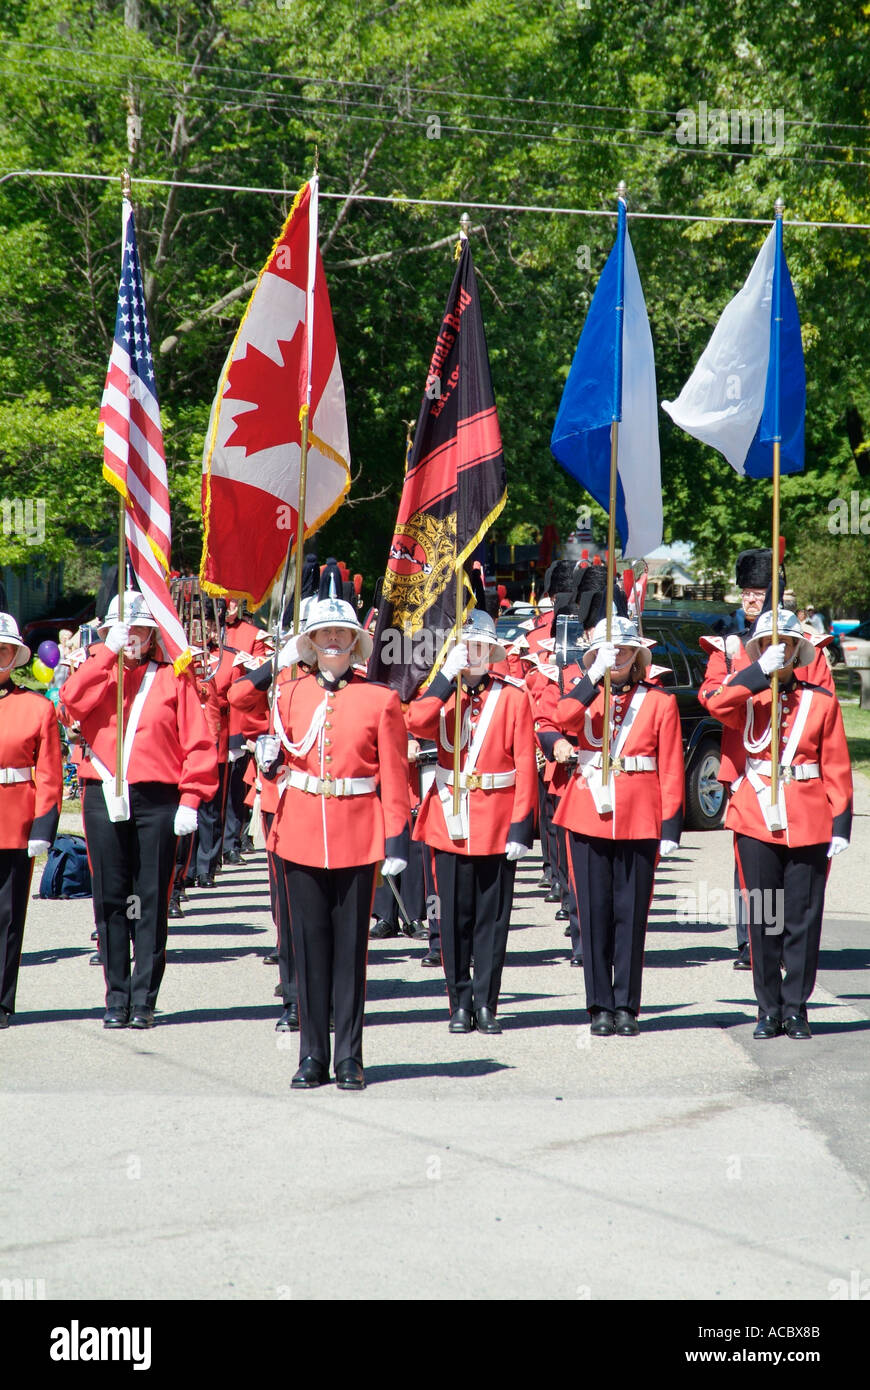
(625, 1023)
(5, 1017)
(311, 1073)
(460, 1022)
(486, 1021)
(554, 895)
(767, 1027)
(96, 959)
(271, 958)
(95, 936)
(577, 959)
(247, 846)
(349, 1075)
(421, 931)
(204, 881)
(796, 1026)
(544, 881)
(382, 929)
(602, 1023)
(289, 1020)
(431, 958)
(743, 962)
(562, 915)
(233, 857)
(175, 906)
(142, 1017)
(278, 991)
(116, 1018)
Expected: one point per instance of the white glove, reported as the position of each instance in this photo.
(837, 845)
(35, 847)
(234, 755)
(667, 847)
(772, 658)
(455, 661)
(512, 850)
(391, 868)
(604, 659)
(268, 748)
(185, 821)
(289, 654)
(117, 637)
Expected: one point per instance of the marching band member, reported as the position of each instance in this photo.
(475, 853)
(783, 852)
(31, 788)
(616, 833)
(170, 766)
(727, 654)
(340, 752)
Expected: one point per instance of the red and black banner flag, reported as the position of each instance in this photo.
(454, 489)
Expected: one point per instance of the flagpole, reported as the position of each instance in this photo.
(126, 189)
(778, 209)
(614, 454)
(464, 224)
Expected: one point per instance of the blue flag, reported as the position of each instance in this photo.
(612, 379)
(749, 385)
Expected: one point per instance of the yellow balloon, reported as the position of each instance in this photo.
(41, 671)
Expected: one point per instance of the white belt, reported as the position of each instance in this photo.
(15, 774)
(474, 781)
(328, 786)
(793, 772)
(619, 764)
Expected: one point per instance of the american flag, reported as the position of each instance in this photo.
(133, 459)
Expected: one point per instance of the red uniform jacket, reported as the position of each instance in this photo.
(172, 742)
(557, 776)
(817, 808)
(363, 735)
(724, 662)
(498, 814)
(29, 739)
(241, 637)
(646, 805)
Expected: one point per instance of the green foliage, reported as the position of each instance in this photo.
(538, 102)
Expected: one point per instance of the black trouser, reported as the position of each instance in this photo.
(209, 821)
(132, 864)
(281, 918)
(237, 814)
(786, 899)
(16, 871)
(544, 827)
(560, 872)
(433, 908)
(475, 893)
(411, 885)
(329, 921)
(613, 885)
(184, 853)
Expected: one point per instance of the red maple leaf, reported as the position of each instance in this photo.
(273, 389)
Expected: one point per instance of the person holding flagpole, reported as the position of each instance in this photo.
(476, 850)
(784, 845)
(169, 767)
(618, 827)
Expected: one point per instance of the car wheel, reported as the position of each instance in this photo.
(705, 794)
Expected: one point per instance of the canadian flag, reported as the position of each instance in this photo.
(283, 362)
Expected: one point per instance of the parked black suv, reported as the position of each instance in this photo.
(676, 635)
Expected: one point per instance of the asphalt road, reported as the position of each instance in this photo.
(690, 1162)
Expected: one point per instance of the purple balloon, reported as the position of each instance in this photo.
(49, 652)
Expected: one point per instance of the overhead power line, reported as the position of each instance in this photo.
(399, 200)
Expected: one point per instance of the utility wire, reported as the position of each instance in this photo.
(400, 201)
